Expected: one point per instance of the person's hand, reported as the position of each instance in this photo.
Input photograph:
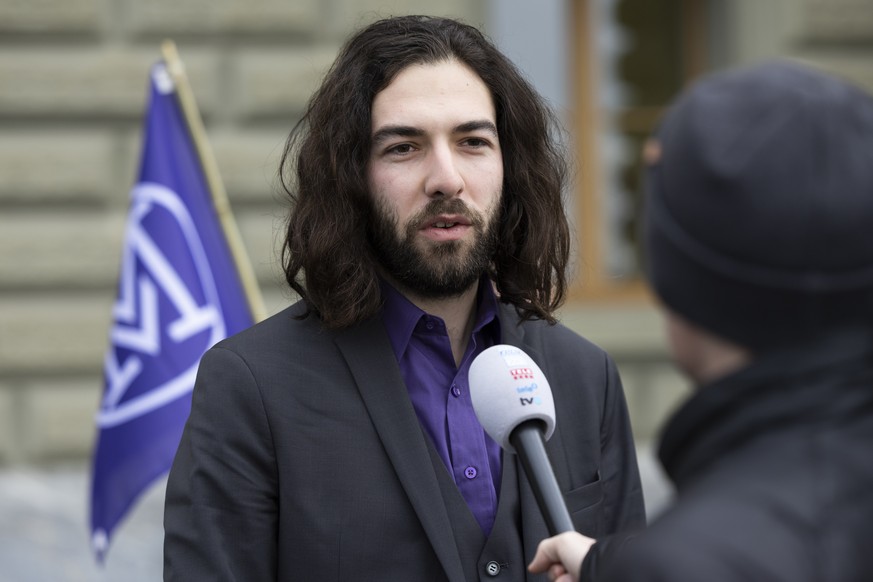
(562, 556)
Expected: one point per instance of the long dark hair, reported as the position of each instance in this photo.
(327, 256)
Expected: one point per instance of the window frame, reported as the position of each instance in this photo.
(592, 283)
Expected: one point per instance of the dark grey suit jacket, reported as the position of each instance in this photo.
(303, 459)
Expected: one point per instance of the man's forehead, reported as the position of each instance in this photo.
(447, 93)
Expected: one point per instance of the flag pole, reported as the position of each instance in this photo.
(213, 180)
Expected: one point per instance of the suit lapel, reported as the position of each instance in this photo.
(368, 353)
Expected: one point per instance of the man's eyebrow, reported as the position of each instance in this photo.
(477, 125)
(389, 131)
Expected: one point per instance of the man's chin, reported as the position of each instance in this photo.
(433, 250)
(441, 287)
(440, 277)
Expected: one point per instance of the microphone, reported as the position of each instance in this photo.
(514, 404)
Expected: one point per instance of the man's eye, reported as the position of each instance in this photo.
(403, 148)
(475, 142)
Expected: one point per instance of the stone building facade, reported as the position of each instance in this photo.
(73, 80)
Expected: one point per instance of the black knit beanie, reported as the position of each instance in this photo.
(759, 212)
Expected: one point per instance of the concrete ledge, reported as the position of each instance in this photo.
(58, 418)
(57, 334)
(106, 82)
(51, 250)
(55, 166)
(279, 82)
(837, 21)
(221, 16)
(50, 16)
(249, 163)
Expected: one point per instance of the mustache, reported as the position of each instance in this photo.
(440, 206)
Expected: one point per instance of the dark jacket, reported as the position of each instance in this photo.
(774, 473)
(303, 459)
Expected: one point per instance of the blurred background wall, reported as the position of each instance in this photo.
(73, 80)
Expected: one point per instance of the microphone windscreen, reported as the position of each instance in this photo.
(508, 388)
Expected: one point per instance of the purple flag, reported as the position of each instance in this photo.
(179, 292)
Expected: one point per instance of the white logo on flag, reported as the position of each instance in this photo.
(137, 325)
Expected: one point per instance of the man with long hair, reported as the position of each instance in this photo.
(337, 439)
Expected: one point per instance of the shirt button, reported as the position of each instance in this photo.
(470, 473)
(492, 568)
(429, 324)
(455, 390)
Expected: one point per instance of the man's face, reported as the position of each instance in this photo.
(435, 174)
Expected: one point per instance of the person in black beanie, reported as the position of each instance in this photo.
(759, 244)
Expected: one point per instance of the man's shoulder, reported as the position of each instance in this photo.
(291, 326)
(782, 507)
(718, 532)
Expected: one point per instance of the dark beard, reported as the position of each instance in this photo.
(442, 270)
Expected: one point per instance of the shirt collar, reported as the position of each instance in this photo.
(400, 316)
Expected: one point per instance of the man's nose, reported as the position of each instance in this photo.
(444, 177)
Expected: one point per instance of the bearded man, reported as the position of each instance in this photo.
(337, 439)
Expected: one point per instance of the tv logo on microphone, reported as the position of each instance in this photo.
(528, 389)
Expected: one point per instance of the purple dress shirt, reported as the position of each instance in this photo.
(440, 393)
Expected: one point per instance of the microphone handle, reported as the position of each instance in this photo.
(527, 438)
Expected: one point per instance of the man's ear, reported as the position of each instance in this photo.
(700, 354)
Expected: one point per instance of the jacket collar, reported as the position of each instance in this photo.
(825, 377)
